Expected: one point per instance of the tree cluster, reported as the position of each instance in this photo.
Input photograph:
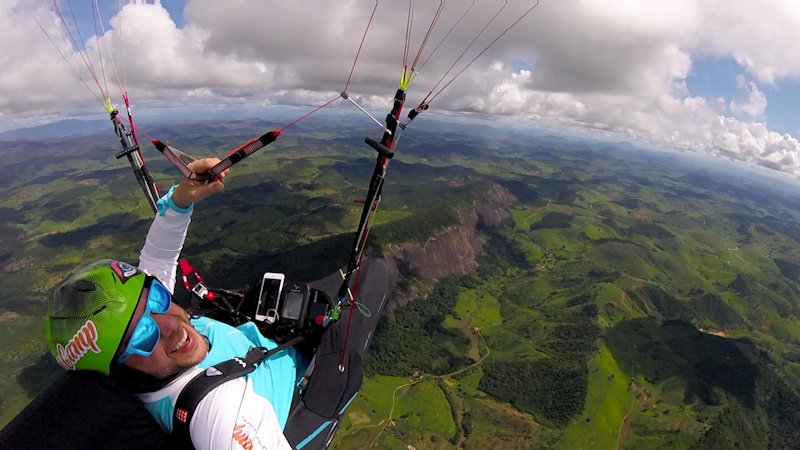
(553, 391)
(416, 340)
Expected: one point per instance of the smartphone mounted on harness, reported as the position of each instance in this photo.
(286, 310)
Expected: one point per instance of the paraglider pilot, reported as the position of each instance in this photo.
(118, 319)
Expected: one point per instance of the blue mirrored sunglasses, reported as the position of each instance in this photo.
(146, 334)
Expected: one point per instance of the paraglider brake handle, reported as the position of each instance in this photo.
(179, 159)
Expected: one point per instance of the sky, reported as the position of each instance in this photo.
(717, 77)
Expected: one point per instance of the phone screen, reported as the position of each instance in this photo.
(294, 301)
(270, 293)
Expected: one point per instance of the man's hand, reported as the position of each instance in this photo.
(189, 191)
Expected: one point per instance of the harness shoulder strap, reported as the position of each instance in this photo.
(210, 379)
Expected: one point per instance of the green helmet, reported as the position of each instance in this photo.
(90, 312)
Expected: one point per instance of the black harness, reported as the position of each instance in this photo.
(329, 384)
(211, 378)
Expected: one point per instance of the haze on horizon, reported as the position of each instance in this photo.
(710, 77)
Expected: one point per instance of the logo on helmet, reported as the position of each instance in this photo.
(123, 270)
(84, 340)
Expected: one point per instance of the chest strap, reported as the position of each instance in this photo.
(208, 380)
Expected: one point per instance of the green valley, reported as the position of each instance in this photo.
(616, 297)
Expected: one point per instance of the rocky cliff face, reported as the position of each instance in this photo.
(454, 251)
(492, 211)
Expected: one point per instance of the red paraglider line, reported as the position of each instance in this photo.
(312, 112)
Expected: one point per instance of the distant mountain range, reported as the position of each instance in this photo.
(61, 128)
(69, 127)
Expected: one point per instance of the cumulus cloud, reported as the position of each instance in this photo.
(756, 34)
(619, 68)
(751, 107)
(28, 84)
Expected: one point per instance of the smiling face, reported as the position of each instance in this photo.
(179, 348)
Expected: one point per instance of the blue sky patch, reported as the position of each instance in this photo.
(714, 77)
(521, 64)
(175, 8)
(782, 103)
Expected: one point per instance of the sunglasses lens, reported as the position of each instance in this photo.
(159, 298)
(145, 336)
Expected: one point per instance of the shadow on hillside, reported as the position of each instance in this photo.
(306, 263)
(676, 349)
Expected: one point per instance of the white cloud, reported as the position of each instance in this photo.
(29, 85)
(614, 67)
(754, 105)
(757, 34)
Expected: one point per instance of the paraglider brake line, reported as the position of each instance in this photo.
(346, 96)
